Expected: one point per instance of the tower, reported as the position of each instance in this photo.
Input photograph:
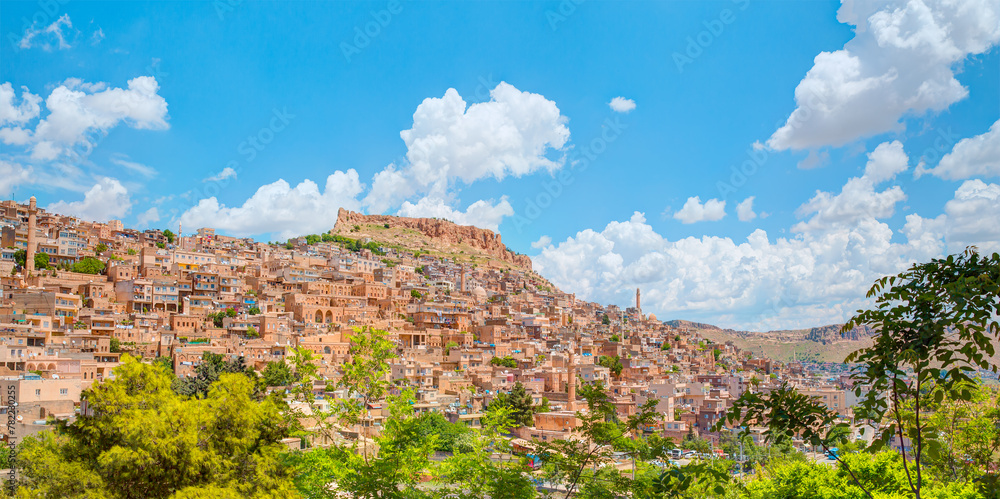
(463, 279)
(638, 302)
(571, 397)
(29, 257)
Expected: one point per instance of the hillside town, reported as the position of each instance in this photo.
(464, 332)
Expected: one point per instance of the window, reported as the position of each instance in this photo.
(38, 392)
(64, 391)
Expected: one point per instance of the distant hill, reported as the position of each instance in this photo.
(820, 344)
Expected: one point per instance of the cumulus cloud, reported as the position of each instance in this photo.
(80, 113)
(969, 218)
(279, 208)
(858, 199)
(227, 172)
(744, 210)
(481, 214)
(694, 211)
(108, 199)
(51, 36)
(819, 275)
(11, 176)
(971, 157)
(512, 134)
(21, 113)
(621, 105)
(542, 242)
(148, 217)
(900, 62)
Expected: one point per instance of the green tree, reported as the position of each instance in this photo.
(169, 234)
(486, 466)
(41, 261)
(277, 373)
(519, 403)
(141, 439)
(606, 320)
(614, 363)
(100, 248)
(207, 372)
(88, 265)
(936, 323)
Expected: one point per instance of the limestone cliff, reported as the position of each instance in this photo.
(485, 241)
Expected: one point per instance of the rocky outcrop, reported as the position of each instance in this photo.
(483, 240)
(833, 333)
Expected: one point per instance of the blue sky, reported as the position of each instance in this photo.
(129, 107)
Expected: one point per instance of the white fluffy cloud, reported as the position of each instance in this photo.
(481, 214)
(818, 276)
(11, 176)
(744, 210)
(900, 62)
(621, 105)
(858, 200)
(227, 172)
(886, 161)
(279, 208)
(21, 113)
(970, 218)
(542, 242)
(52, 36)
(148, 217)
(974, 156)
(694, 211)
(108, 199)
(80, 113)
(512, 134)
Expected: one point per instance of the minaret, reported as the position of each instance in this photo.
(638, 302)
(29, 257)
(571, 398)
(463, 279)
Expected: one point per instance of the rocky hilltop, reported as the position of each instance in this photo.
(440, 231)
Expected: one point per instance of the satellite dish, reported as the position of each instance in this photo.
(20, 418)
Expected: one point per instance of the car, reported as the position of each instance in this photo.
(690, 453)
(676, 453)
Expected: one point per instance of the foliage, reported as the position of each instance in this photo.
(277, 373)
(447, 435)
(448, 346)
(88, 265)
(519, 403)
(207, 372)
(937, 322)
(169, 234)
(614, 363)
(254, 310)
(881, 473)
(615, 338)
(606, 320)
(486, 466)
(252, 332)
(585, 464)
(934, 323)
(141, 439)
(508, 361)
(415, 294)
(100, 248)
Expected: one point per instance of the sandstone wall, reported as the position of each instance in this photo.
(484, 240)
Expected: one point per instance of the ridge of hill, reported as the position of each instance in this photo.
(820, 344)
(437, 237)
